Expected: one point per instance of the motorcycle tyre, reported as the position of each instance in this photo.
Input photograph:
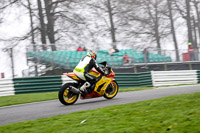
(63, 91)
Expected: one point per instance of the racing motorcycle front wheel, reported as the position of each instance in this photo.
(67, 97)
(112, 90)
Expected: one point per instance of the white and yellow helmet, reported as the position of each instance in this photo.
(92, 54)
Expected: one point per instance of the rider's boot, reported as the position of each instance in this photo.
(83, 88)
(92, 87)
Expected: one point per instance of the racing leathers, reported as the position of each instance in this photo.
(82, 71)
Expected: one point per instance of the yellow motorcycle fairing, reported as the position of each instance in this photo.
(101, 85)
(94, 74)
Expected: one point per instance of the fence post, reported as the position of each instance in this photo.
(152, 78)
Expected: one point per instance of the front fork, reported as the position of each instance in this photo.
(112, 84)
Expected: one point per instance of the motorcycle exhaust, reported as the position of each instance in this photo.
(74, 90)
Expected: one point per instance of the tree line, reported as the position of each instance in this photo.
(127, 22)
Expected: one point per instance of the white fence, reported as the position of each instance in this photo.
(6, 87)
(161, 78)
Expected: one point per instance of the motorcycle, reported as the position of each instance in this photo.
(105, 86)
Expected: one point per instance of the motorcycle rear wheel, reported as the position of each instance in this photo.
(65, 96)
(111, 91)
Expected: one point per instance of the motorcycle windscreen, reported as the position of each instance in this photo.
(102, 84)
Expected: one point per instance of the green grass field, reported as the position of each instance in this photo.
(174, 114)
(27, 98)
(36, 97)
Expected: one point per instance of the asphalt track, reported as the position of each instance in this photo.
(33, 111)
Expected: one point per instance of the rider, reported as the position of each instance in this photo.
(83, 68)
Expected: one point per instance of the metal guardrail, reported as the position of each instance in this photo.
(53, 83)
(37, 84)
(198, 75)
(134, 79)
(125, 80)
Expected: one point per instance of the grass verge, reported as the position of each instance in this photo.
(27, 98)
(37, 97)
(174, 114)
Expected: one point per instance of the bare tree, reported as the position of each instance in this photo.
(146, 20)
(32, 32)
(112, 27)
(154, 15)
(50, 23)
(169, 3)
(197, 23)
(42, 26)
(184, 8)
(188, 19)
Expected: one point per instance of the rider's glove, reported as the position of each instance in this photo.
(106, 72)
